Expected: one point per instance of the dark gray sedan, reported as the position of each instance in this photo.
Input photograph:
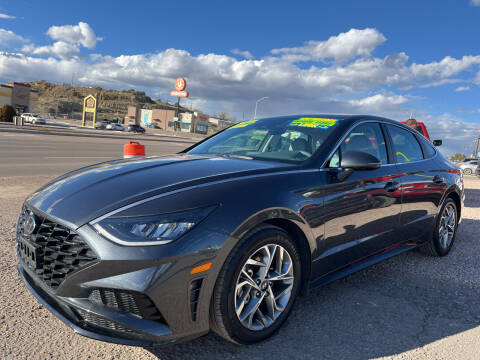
(227, 234)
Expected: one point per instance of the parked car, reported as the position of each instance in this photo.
(101, 125)
(135, 128)
(477, 170)
(422, 129)
(469, 166)
(33, 118)
(114, 126)
(226, 234)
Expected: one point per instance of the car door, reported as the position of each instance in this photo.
(422, 182)
(362, 212)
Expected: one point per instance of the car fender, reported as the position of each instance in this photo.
(453, 188)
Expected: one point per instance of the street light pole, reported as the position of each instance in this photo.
(256, 106)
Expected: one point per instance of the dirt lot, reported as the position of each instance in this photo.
(408, 307)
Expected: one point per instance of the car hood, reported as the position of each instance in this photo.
(87, 193)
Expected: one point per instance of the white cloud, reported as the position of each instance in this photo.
(457, 134)
(378, 102)
(81, 34)
(8, 37)
(475, 2)
(462, 88)
(58, 49)
(357, 82)
(69, 40)
(343, 46)
(246, 54)
(5, 16)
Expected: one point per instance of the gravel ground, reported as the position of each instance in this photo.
(408, 307)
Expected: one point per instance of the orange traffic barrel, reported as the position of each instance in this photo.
(133, 149)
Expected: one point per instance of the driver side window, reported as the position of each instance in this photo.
(367, 137)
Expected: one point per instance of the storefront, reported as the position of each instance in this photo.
(19, 95)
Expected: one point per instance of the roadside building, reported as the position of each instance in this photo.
(219, 123)
(19, 95)
(160, 118)
(194, 122)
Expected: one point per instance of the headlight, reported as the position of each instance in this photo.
(150, 230)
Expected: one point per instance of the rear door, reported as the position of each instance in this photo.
(422, 182)
(362, 212)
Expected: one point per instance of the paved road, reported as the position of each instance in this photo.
(408, 307)
(35, 153)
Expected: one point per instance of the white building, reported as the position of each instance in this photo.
(18, 95)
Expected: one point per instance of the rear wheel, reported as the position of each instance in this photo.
(257, 287)
(445, 230)
(467, 171)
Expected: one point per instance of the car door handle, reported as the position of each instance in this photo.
(437, 179)
(391, 186)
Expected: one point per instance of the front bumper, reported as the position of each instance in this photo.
(160, 274)
(67, 314)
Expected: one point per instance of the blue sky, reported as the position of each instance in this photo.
(379, 57)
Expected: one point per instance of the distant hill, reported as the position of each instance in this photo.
(66, 99)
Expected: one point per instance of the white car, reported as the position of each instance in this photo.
(113, 126)
(33, 118)
(469, 166)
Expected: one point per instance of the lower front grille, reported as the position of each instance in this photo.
(89, 319)
(131, 302)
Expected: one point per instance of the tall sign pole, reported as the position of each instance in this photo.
(477, 145)
(179, 92)
(89, 106)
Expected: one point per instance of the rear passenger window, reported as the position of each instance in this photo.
(428, 149)
(406, 146)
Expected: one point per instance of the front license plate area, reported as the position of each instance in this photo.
(30, 253)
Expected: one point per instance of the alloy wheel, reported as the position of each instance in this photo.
(264, 287)
(447, 226)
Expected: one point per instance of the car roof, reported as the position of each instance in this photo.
(350, 119)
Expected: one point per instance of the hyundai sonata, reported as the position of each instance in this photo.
(226, 234)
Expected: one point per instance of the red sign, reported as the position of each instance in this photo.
(175, 93)
(180, 84)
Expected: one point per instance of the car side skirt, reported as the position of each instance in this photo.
(362, 264)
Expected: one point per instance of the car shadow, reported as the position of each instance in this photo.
(472, 198)
(398, 305)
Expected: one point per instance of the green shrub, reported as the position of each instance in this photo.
(7, 113)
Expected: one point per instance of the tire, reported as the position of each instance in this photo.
(467, 171)
(440, 245)
(229, 293)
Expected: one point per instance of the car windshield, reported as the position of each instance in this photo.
(274, 139)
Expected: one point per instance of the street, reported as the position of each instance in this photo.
(34, 153)
(408, 307)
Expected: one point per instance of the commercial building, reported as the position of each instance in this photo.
(220, 124)
(194, 122)
(165, 119)
(161, 118)
(19, 95)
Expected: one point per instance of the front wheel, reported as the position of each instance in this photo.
(257, 287)
(445, 230)
(467, 171)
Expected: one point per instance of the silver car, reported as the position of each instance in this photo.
(469, 166)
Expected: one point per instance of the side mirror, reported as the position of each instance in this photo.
(359, 160)
(437, 142)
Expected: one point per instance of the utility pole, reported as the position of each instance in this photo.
(477, 144)
(256, 106)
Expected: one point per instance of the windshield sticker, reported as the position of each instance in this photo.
(317, 123)
(243, 124)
